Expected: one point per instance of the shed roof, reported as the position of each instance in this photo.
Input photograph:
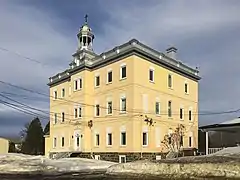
(226, 126)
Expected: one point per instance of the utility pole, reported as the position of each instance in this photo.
(90, 125)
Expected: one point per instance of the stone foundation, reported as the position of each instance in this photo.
(114, 156)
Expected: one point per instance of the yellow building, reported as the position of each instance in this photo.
(99, 104)
(4, 146)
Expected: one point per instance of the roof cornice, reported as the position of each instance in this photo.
(125, 50)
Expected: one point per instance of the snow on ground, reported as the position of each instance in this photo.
(10, 163)
(230, 151)
(225, 163)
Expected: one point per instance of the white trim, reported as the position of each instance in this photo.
(97, 74)
(95, 81)
(147, 138)
(62, 92)
(153, 70)
(107, 80)
(97, 157)
(54, 137)
(109, 99)
(122, 156)
(54, 94)
(122, 96)
(190, 109)
(186, 82)
(181, 107)
(121, 66)
(159, 106)
(171, 81)
(95, 139)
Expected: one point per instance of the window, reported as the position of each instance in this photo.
(55, 94)
(97, 157)
(63, 116)
(151, 75)
(190, 141)
(181, 113)
(190, 115)
(122, 159)
(97, 110)
(123, 138)
(109, 77)
(80, 112)
(170, 81)
(109, 139)
(80, 83)
(55, 118)
(169, 108)
(181, 140)
(145, 139)
(97, 140)
(186, 88)
(63, 92)
(75, 112)
(109, 105)
(55, 142)
(123, 72)
(157, 108)
(62, 141)
(123, 104)
(97, 81)
(76, 85)
(78, 141)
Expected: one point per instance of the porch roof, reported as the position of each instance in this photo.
(227, 126)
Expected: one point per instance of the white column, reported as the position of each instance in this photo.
(206, 142)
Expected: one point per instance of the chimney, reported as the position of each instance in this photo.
(172, 52)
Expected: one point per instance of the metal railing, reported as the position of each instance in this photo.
(213, 150)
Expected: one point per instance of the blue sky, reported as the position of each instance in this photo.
(206, 34)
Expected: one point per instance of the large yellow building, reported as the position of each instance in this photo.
(99, 105)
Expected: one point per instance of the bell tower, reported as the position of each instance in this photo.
(85, 37)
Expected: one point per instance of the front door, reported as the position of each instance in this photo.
(77, 141)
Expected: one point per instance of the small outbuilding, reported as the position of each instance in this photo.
(4, 145)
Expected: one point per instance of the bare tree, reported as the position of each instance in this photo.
(173, 141)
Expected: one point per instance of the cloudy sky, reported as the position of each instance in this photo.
(205, 32)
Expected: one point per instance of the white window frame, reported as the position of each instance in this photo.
(76, 85)
(97, 157)
(181, 108)
(108, 101)
(170, 108)
(123, 130)
(55, 119)
(54, 143)
(108, 131)
(63, 117)
(63, 90)
(62, 140)
(74, 112)
(145, 130)
(79, 84)
(95, 110)
(123, 96)
(153, 72)
(55, 97)
(121, 67)
(159, 107)
(190, 135)
(171, 81)
(190, 109)
(108, 71)
(95, 79)
(122, 156)
(80, 110)
(186, 83)
(97, 133)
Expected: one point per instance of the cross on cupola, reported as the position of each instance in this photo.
(85, 36)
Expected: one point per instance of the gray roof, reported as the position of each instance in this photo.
(132, 47)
